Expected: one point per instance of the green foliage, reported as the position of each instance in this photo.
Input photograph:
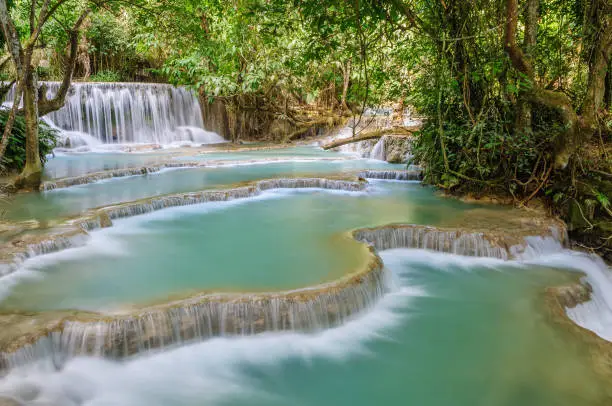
(105, 76)
(14, 157)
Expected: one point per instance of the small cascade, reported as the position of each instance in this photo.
(158, 203)
(592, 310)
(392, 175)
(51, 244)
(378, 152)
(120, 113)
(103, 217)
(200, 318)
(118, 173)
(361, 149)
(94, 177)
(451, 241)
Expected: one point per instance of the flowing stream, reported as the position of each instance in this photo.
(429, 329)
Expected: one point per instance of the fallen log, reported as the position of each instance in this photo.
(371, 135)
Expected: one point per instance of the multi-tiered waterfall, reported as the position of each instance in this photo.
(119, 113)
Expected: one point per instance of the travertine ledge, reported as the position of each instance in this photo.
(170, 164)
(392, 175)
(59, 335)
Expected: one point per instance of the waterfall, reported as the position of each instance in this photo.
(74, 232)
(378, 152)
(159, 203)
(119, 113)
(591, 306)
(413, 174)
(362, 149)
(449, 241)
(211, 316)
(207, 315)
(202, 317)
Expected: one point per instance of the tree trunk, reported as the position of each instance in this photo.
(608, 91)
(347, 80)
(578, 129)
(522, 121)
(32, 172)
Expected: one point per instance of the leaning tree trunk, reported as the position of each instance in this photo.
(32, 172)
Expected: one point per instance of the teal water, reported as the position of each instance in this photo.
(65, 165)
(70, 164)
(281, 240)
(74, 200)
(290, 152)
(456, 331)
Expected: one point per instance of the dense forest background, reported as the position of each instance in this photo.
(516, 95)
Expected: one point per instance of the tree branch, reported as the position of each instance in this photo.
(46, 106)
(12, 37)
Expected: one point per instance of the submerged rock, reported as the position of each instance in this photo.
(573, 295)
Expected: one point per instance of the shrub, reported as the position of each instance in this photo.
(105, 76)
(14, 157)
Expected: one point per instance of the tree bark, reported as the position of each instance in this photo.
(602, 52)
(21, 54)
(608, 91)
(347, 80)
(32, 172)
(578, 129)
(522, 121)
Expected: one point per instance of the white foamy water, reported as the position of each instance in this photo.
(107, 242)
(596, 314)
(220, 370)
(378, 152)
(127, 113)
(210, 373)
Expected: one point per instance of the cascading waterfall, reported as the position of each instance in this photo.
(361, 149)
(378, 152)
(119, 113)
(406, 175)
(103, 217)
(594, 314)
(448, 241)
(594, 311)
(203, 316)
(210, 316)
